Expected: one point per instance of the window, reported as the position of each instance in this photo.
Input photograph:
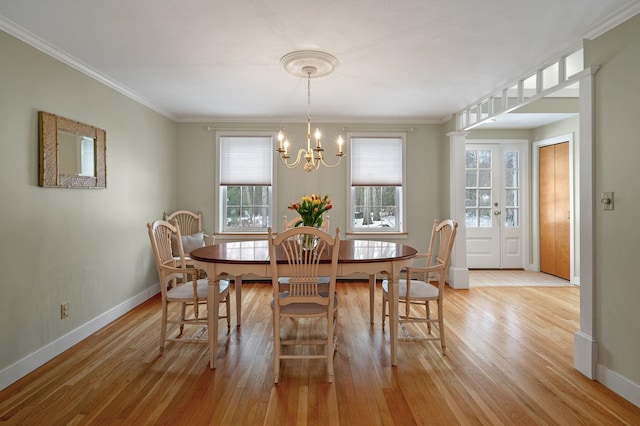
(376, 181)
(245, 183)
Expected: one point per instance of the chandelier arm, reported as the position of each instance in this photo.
(299, 156)
(331, 165)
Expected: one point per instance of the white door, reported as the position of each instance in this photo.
(494, 190)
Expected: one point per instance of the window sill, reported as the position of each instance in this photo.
(240, 236)
(376, 235)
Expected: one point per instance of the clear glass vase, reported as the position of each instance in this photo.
(308, 242)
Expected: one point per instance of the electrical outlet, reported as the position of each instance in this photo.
(64, 310)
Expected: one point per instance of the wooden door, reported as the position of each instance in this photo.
(554, 210)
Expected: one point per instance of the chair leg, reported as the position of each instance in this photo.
(335, 326)
(163, 330)
(330, 347)
(183, 316)
(427, 305)
(441, 331)
(276, 348)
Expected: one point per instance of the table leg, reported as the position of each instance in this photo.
(372, 296)
(238, 285)
(213, 311)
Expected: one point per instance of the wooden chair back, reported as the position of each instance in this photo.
(169, 267)
(302, 271)
(188, 222)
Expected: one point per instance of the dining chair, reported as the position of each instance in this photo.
(190, 224)
(288, 224)
(423, 285)
(180, 284)
(303, 297)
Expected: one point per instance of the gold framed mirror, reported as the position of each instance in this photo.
(72, 154)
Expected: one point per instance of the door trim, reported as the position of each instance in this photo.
(535, 219)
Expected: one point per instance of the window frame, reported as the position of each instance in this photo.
(400, 190)
(221, 190)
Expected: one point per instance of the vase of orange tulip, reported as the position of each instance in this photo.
(311, 210)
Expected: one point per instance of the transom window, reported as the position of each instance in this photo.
(245, 182)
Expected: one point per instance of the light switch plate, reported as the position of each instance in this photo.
(607, 201)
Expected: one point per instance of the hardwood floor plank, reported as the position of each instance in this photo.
(509, 361)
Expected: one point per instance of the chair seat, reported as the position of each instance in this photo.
(419, 289)
(305, 308)
(185, 291)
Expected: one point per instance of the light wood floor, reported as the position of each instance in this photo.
(513, 278)
(509, 361)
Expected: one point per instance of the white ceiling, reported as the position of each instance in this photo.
(400, 61)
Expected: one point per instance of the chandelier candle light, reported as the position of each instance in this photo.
(308, 63)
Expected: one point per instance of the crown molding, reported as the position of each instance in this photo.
(318, 121)
(614, 20)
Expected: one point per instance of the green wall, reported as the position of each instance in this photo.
(617, 234)
(86, 247)
(427, 174)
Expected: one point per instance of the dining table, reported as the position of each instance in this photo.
(233, 259)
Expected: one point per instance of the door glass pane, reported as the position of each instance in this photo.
(512, 217)
(511, 179)
(484, 159)
(471, 218)
(472, 198)
(472, 178)
(512, 188)
(484, 197)
(472, 159)
(484, 178)
(511, 160)
(485, 218)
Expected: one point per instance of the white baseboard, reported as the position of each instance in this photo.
(26, 365)
(619, 384)
(585, 354)
(458, 278)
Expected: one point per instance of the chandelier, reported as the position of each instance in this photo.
(308, 64)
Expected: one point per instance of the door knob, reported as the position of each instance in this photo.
(497, 212)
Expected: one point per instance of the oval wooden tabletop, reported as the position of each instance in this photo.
(257, 251)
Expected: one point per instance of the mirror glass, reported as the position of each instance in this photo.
(76, 154)
(72, 154)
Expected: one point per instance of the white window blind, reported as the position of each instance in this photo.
(245, 160)
(376, 161)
